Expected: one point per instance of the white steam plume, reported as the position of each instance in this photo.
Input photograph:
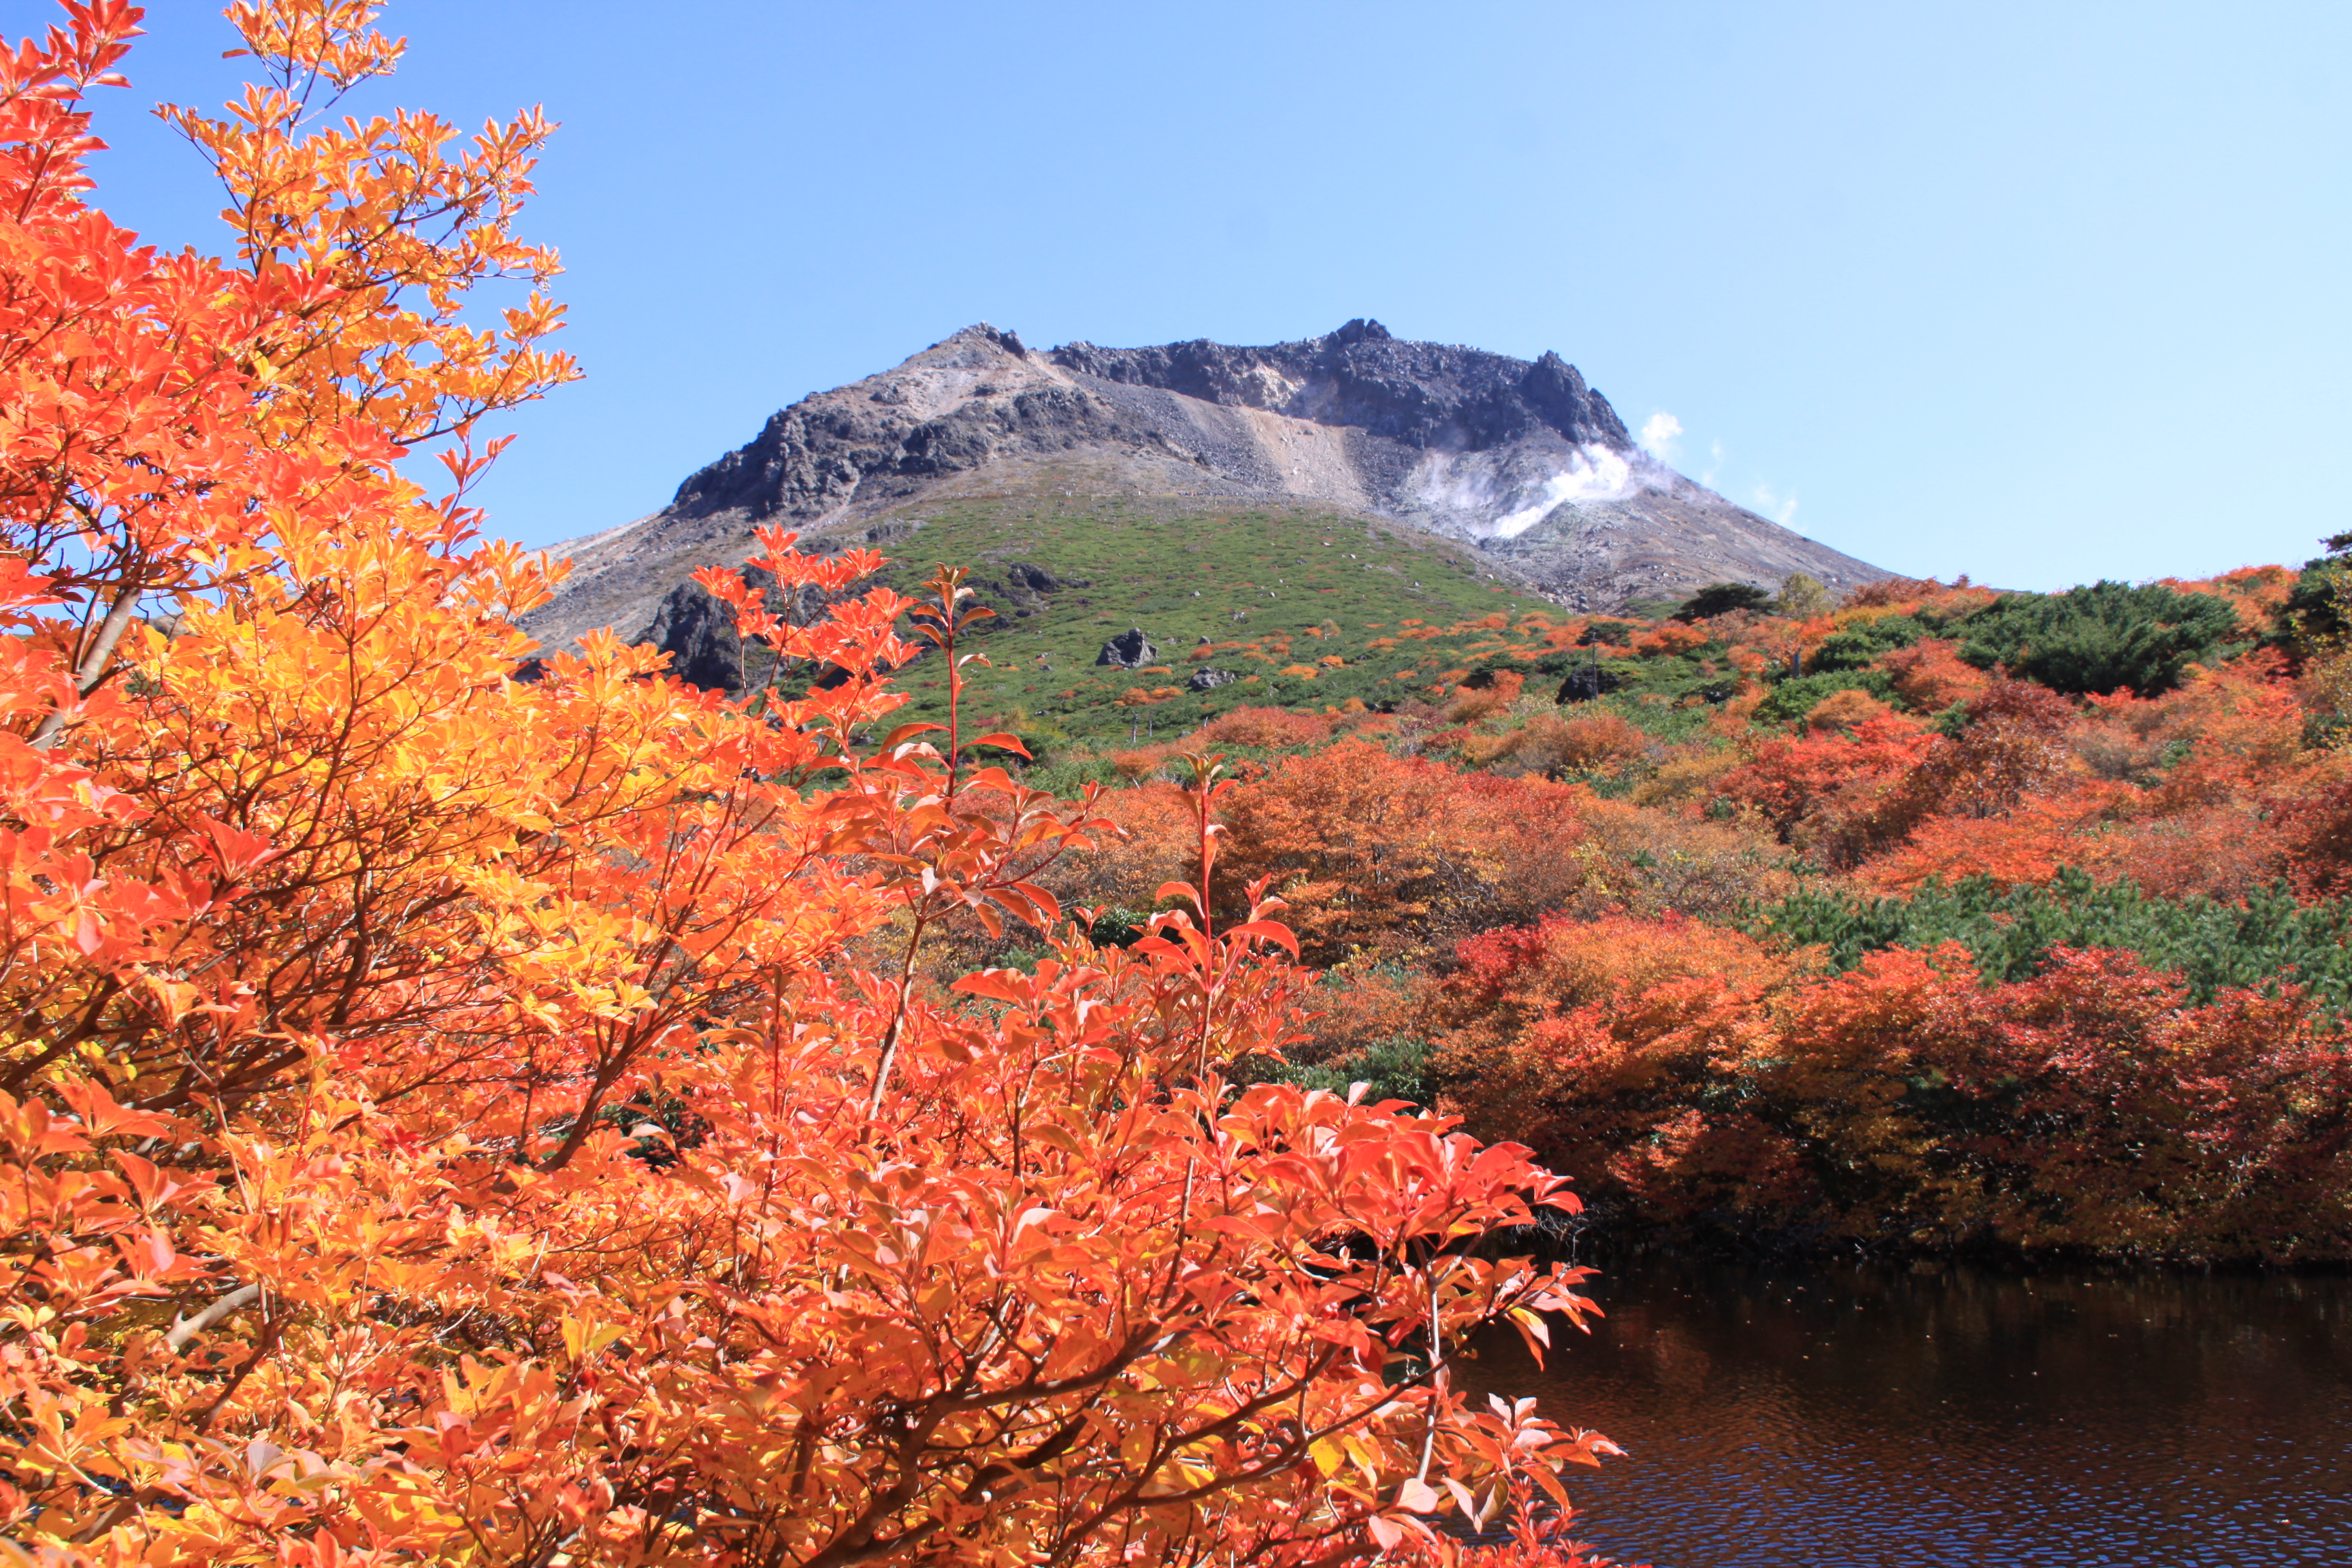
(1594, 473)
(1661, 436)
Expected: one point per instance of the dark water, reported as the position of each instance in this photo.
(1848, 1418)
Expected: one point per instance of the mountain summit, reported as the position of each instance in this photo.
(1521, 460)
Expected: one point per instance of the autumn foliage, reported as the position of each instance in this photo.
(449, 1117)
(1695, 1073)
(1582, 923)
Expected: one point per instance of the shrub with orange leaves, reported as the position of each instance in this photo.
(1846, 709)
(1142, 761)
(1670, 638)
(1847, 797)
(1582, 1039)
(2011, 743)
(1891, 592)
(1578, 744)
(1930, 675)
(1497, 691)
(1911, 595)
(1690, 1076)
(448, 1118)
(2318, 826)
(1838, 793)
(1390, 853)
(1267, 726)
(2027, 844)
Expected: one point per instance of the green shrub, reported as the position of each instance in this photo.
(1859, 646)
(1394, 1068)
(2214, 946)
(2100, 638)
(1117, 927)
(1721, 599)
(2318, 610)
(1794, 699)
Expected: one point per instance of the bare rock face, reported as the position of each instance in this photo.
(699, 634)
(1420, 395)
(1523, 459)
(1130, 650)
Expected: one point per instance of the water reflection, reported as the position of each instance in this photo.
(1853, 1418)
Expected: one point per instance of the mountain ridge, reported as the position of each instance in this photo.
(1521, 460)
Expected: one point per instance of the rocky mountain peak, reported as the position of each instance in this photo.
(1523, 459)
(1422, 394)
(978, 347)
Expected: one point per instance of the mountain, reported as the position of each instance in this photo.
(1524, 469)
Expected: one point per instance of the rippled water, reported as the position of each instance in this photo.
(1853, 1418)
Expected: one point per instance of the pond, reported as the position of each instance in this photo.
(1807, 1416)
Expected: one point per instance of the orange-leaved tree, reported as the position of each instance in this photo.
(445, 1118)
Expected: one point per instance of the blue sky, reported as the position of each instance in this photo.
(2038, 292)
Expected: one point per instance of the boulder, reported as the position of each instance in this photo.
(1207, 678)
(699, 634)
(1130, 650)
(1038, 580)
(1588, 682)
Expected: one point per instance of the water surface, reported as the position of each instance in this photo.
(1842, 1417)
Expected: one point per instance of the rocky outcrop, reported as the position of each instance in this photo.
(1523, 459)
(1208, 677)
(1128, 650)
(699, 634)
(1022, 590)
(1421, 395)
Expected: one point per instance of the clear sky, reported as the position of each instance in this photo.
(2041, 293)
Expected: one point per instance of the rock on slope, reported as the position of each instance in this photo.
(1524, 460)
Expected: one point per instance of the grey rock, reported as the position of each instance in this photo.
(1130, 650)
(1038, 580)
(698, 631)
(1419, 395)
(1208, 679)
(1021, 591)
(1587, 683)
(699, 634)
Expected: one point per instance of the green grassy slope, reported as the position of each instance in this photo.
(1276, 590)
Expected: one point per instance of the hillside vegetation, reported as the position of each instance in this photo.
(1302, 606)
(1933, 918)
